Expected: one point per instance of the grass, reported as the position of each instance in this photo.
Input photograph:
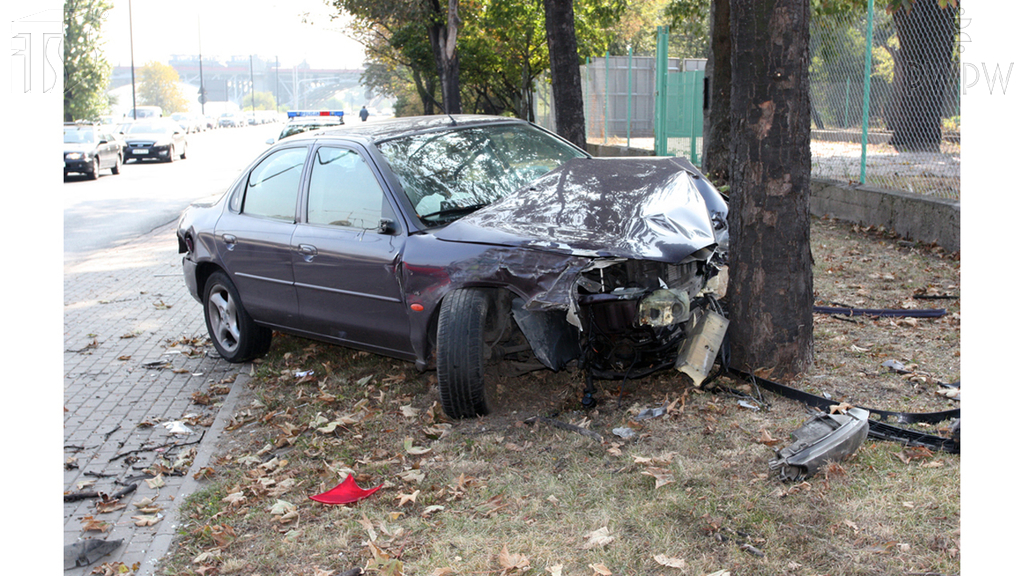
(498, 495)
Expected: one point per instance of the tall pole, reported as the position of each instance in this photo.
(252, 90)
(202, 88)
(866, 105)
(277, 83)
(131, 48)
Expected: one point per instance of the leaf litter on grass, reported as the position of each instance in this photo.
(497, 494)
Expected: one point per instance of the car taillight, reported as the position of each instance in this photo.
(188, 243)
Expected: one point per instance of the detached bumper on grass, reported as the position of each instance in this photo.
(824, 438)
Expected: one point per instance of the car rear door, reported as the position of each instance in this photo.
(253, 236)
(346, 270)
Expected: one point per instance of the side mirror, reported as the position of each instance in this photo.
(270, 141)
(386, 226)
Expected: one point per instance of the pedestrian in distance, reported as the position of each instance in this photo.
(364, 113)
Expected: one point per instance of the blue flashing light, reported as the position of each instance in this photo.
(296, 113)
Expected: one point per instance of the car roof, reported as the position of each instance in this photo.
(396, 127)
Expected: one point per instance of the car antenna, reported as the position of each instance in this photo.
(454, 123)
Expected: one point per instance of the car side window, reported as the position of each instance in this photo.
(343, 191)
(273, 185)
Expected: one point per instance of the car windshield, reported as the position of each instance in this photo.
(448, 174)
(78, 136)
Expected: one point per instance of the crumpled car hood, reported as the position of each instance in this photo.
(652, 208)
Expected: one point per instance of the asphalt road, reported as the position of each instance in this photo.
(102, 213)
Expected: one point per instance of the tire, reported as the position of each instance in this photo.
(235, 335)
(116, 168)
(183, 150)
(170, 154)
(466, 317)
(95, 169)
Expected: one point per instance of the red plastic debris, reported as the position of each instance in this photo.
(345, 493)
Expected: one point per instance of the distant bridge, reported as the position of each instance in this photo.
(299, 88)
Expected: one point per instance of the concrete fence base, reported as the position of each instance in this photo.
(914, 216)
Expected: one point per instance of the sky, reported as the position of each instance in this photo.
(225, 28)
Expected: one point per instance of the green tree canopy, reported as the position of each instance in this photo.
(158, 86)
(86, 71)
(263, 101)
(502, 48)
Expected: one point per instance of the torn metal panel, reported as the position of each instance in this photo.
(824, 438)
(649, 209)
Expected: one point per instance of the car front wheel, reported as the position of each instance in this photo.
(235, 335)
(467, 318)
(95, 169)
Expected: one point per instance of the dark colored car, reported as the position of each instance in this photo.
(90, 148)
(460, 242)
(161, 138)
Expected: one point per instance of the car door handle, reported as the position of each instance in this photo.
(307, 251)
(230, 240)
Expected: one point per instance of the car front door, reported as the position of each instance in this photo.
(346, 270)
(253, 236)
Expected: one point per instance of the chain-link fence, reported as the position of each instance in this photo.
(899, 131)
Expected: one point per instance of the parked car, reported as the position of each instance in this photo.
(231, 120)
(161, 138)
(300, 121)
(89, 148)
(141, 112)
(188, 121)
(457, 242)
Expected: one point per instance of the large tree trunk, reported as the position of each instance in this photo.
(443, 35)
(923, 65)
(566, 86)
(715, 156)
(771, 294)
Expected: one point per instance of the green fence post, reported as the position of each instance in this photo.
(606, 97)
(661, 94)
(629, 93)
(867, 95)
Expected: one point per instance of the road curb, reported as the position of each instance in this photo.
(164, 537)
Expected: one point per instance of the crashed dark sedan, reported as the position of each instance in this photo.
(459, 243)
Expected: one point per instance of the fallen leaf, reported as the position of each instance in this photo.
(404, 499)
(410, 412)
(600, 570)
(598, 538)
(90, 524)
(414, 450)
(512, 562)
(555, 570)
(156, 482)
(147, 519)
(670, 562)
(662, 476)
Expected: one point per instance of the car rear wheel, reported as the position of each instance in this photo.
(466, 323)
(116, 168)
(235, 335)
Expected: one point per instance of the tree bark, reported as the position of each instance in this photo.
(770, 288)
(923, 65)
(718, 71)
(566, 86)
(443, 35)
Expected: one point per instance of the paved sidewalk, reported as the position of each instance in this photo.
(135, 354)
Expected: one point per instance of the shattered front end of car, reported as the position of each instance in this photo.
(638, 243)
